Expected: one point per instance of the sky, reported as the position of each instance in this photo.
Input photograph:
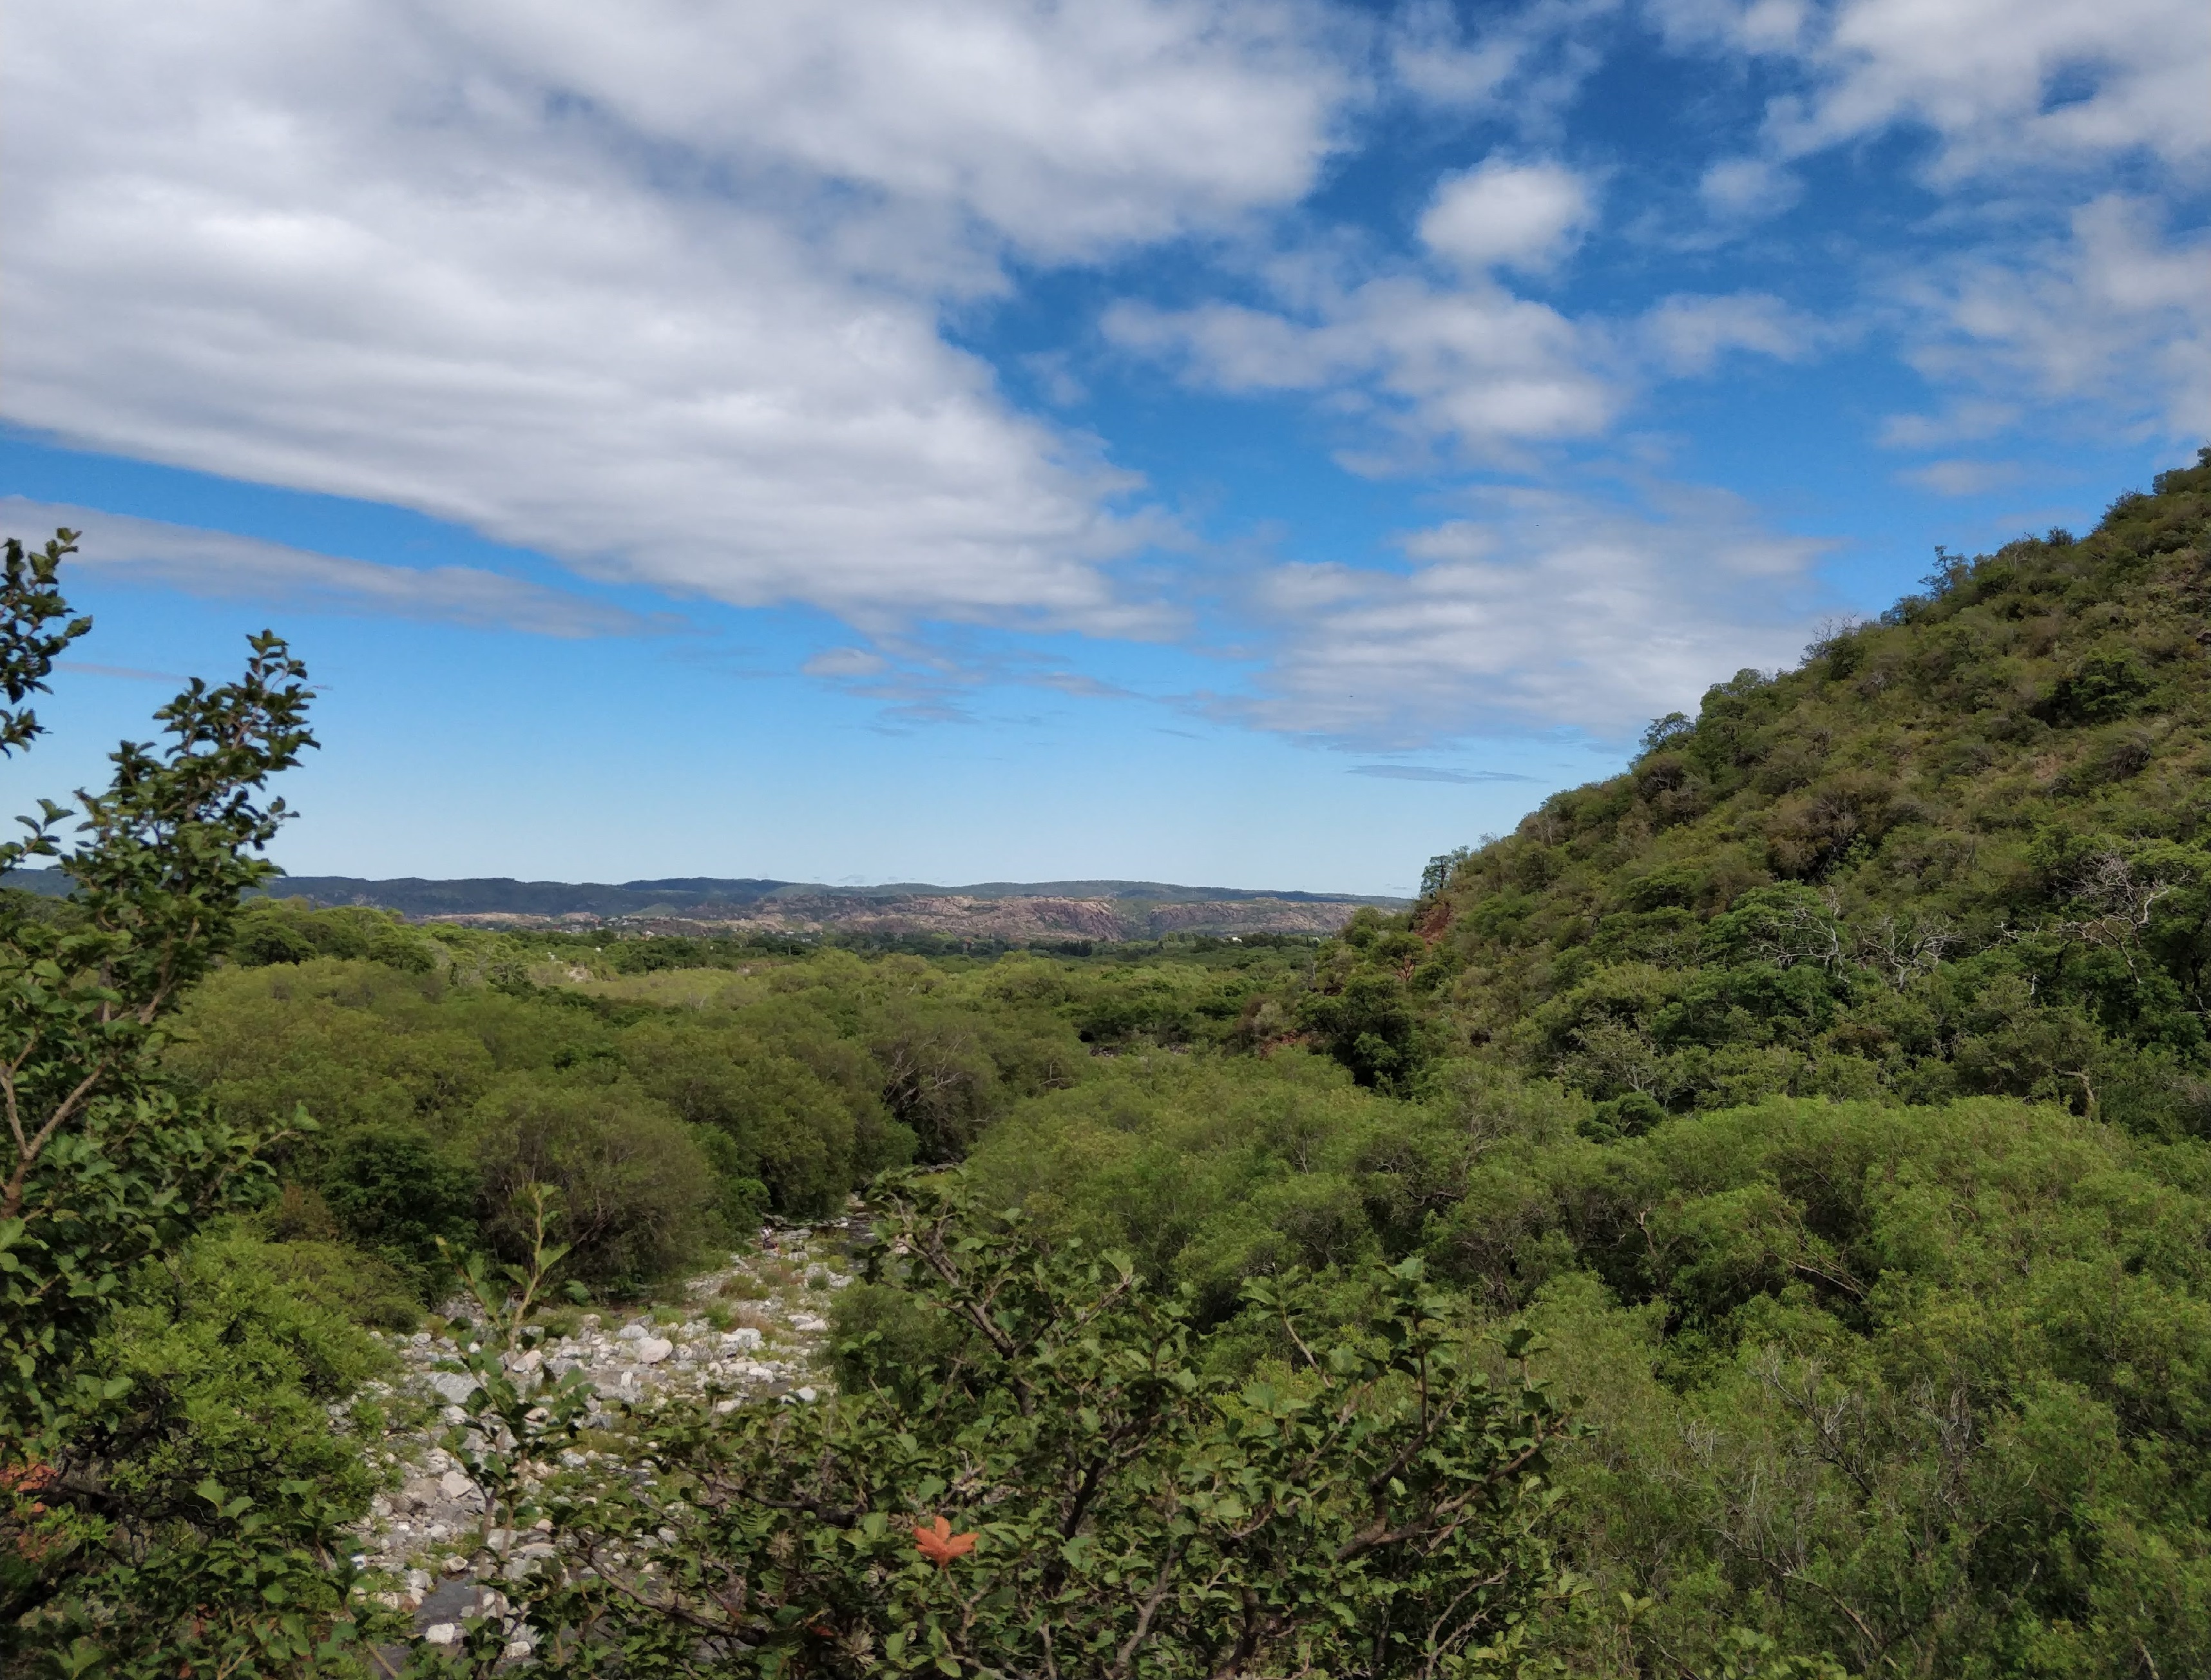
(1252, 443)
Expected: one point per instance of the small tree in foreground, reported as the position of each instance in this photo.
(1033, 1474)
(115, 1558)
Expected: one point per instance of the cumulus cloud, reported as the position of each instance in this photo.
(2006, 82)
(1687, 334)
(1963, 478)
(655, 291)
(1538, 609)
(1748, 186)
(1524, 63)
(846, 662)
(1519, 214)
(1955, 422)
(219, 563)
(1474, 364)
(2116, 316)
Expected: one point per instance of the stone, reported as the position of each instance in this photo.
(454, 1485)
(443, 1633)
(453, 1387)
(651, 1350)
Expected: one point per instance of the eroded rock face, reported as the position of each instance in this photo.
(752, 1329)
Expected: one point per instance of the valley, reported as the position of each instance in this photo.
(1753, 1220)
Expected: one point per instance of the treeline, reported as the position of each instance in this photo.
(281, 929)
(442, 1071)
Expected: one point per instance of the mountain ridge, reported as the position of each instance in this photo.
(1011, 912)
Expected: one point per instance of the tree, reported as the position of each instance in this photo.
(110, 1167)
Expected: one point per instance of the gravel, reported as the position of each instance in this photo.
(429, 1525)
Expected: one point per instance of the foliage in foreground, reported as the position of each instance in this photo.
(170, 1487)
(1041, 1477)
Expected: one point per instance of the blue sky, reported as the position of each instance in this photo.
(1245, 443)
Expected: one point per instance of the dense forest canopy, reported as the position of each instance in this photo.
(1819, 1110)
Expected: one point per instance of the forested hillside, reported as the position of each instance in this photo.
(1751, 1223)
(1960, 850)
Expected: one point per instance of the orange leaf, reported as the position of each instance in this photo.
(940, 1545)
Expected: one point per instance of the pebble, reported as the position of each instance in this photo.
(429, 1527)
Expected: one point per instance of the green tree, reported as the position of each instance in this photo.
(108, 1564)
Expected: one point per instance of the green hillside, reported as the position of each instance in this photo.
(1959, 850)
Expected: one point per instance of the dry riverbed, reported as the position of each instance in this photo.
(752, 1329)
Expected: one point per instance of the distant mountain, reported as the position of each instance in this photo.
(988, 910)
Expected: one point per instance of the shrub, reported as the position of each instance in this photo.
(394, 1192)
(637, 1191)
(1029, 1470)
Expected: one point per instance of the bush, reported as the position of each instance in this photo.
(740, 1199)
(639, 1192)
(1379, 1509)
(395, 1193)
(361, 1288)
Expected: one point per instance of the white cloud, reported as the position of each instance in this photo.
(217, 562)
(2005, 84)
(1688, 334)
(1991, 76)
(846, 662)
(1956, 422)
(1477, 365)
(1748, 186)
(1963, 478)
(1517, 215)
(1474, 365)
(1070, 128)
(1539, 610)
(1753, 26)
(1524, 63)
(2116, 317)
(654, 290)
